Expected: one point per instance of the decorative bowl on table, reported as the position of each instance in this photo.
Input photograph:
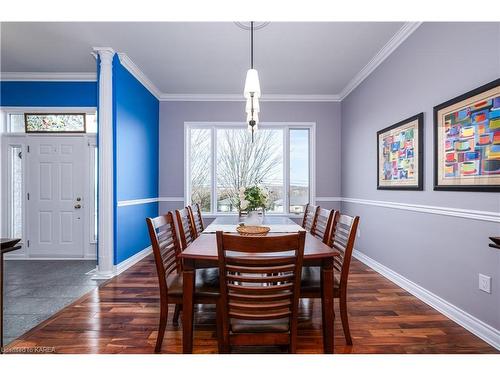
(252, 230)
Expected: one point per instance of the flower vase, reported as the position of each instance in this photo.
(253, 218)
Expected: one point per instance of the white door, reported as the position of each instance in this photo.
(55, 183)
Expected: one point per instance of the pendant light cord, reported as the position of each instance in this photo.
(251, 44)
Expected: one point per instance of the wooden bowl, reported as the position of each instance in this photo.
(253, 230)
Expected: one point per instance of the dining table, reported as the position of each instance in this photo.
(202, 253)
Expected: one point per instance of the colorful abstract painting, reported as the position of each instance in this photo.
(55, 122)
(468, 141)
(400, 155)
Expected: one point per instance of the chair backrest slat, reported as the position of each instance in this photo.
(260, 276)
(322, 224)
(197, 219)
(186, 227)
(166, 248)
(342, 238)
(309, 215)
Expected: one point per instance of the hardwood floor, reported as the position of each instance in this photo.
(121, 316)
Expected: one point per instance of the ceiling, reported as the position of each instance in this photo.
(306, 58)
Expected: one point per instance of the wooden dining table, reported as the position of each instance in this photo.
(202, 253)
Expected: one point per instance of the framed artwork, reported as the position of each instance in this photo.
(467, 141)
(54, 122)
(400, 155)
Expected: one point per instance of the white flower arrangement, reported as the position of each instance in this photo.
(252, 198)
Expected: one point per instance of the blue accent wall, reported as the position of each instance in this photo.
(136, 118)
(48, 94)
(131, 230)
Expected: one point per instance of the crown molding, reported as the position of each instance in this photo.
(403, 33)
(139, 74)
(240, 98)
(57, 77)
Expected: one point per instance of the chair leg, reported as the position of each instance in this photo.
(177, 312)
(292, 349)
(345, 319)
(220, 329)
(162, 325)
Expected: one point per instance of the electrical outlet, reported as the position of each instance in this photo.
(485, 283)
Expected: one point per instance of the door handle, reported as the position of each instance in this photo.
(78, 206)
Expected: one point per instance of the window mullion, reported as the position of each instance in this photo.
(214, 170)
(286, 171)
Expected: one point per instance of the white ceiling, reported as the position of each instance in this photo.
(306, 58)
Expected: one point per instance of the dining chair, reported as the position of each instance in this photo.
(196, 219)
(310, 212)
(260, 286)
(322, 223)
(166, 250)
(342, 237)
(186, 227)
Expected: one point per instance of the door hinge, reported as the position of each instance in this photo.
(28, 196)
(28, 148)
(28, 243)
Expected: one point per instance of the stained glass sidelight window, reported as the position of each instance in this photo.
(55, 122)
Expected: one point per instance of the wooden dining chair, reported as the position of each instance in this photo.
(342, 237)
(166, 250)
(196, 219)
(310, 212)
(186, 227)
(322, 224)
(260, 285)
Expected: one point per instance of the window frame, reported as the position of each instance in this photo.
(286, 126)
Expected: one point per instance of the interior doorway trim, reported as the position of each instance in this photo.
(24, 140)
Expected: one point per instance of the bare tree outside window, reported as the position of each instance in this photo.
(200, 167)
(241, 163)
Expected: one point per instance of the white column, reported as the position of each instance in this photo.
(105, 268)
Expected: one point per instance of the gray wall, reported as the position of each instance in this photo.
(443, 254)
(174, 114)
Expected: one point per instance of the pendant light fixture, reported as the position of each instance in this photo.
(252, 91)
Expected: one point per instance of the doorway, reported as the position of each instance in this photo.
(48, 197)
(55, 197)
(49, 189)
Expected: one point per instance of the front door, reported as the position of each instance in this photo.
(55, 185)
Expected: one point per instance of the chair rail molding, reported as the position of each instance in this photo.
(106, 198)
(463, 213)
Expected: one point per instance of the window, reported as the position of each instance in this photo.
(15, 191)
(222, 158)
(55, 123)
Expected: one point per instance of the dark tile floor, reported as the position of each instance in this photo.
(36, 289)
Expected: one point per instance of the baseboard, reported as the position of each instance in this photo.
(129, 262)
(482, 330)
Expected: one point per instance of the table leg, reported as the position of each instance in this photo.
(188, 306)
(328, 314)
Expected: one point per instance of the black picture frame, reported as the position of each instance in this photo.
(448, 103)
(420, 156)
